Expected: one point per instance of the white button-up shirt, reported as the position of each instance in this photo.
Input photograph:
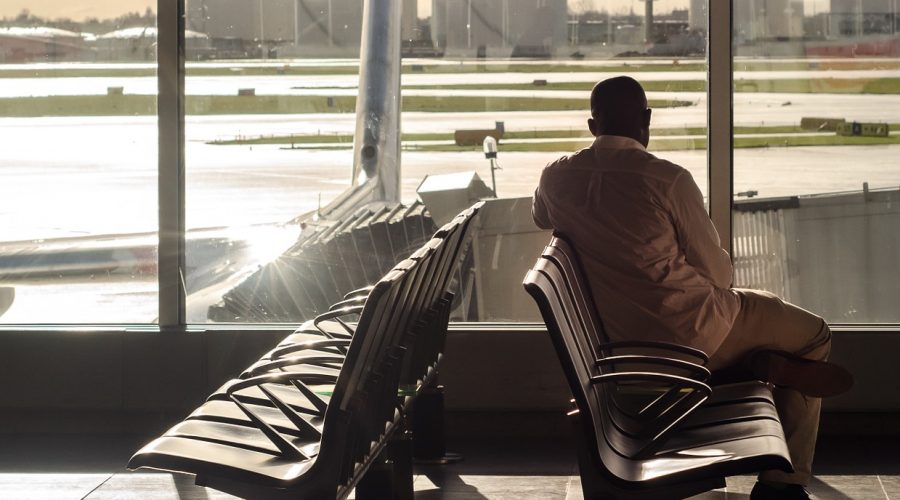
(650, 251)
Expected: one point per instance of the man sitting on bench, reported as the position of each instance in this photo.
(657, 271)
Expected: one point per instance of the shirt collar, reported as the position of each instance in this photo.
(617, 142)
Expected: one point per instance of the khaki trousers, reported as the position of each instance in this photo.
(767, 322)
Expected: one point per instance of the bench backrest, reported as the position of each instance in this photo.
(558, 286)
(545, 283)
(308, 444)
(387, 348)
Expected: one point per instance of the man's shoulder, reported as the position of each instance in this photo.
(660, 168)
(580, 157)
(632, 161)
(565, 167)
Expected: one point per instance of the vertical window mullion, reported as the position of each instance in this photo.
(720, 110)
(170, 109)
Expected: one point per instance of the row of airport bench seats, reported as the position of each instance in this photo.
(650, 423)
(327, 261)
(326, 410)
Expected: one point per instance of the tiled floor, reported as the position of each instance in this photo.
(92, 468)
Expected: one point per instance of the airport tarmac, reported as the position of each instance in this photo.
(239, 186)
(49, 192)
(83, 176)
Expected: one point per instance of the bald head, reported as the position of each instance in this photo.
(619, 107)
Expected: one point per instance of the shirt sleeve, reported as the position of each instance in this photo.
(697, 237)
(539, 210)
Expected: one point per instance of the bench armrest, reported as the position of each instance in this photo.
(353, 301)
(662, 346)
(685, 382)
(697, 372)
(336, 315)
(340, 344)
(359, 291)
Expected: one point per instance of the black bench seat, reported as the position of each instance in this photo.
(649, 424)
(311, 417)
(228, 412)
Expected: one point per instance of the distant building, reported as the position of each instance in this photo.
(245, 27)
(698, 15)
(409, 29)
(768, 20)
(858, 28)
(269, 20)
(329, 23)
(139, 44)
(40, 44)
(523, 28)
(853, 18)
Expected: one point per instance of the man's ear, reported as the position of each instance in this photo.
(592, 126)
(647, 113)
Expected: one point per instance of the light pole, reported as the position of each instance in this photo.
(469, 24)
(330, 25)
(859, 18)
(893, 17)
(490, 152)
(504, 23)
(296, 23)
(262, 31)
(608, 26)
(648, 21)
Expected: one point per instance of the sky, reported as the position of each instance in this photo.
(76, 10)
(80, 9)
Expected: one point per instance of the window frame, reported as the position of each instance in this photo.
(170, 61)
(170, 25)
(720, 118)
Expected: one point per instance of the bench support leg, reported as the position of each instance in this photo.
(400, 451)
(390, 477)
(429, 440)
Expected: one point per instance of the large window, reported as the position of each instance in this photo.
(816, 114)
(275, 229)
(78, 165)
(271, 116)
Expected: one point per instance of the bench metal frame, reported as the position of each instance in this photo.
(331, 402)
(684, 437)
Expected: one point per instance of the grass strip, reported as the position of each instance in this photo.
(790, 86)
(679, 144)
(656, 144)
(649, 86)
(813, 140)
(523, 134)
(117, 105)
(821, 86)
(320, 139)
(425, 67)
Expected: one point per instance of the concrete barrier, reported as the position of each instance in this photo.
(821, 124)
(475, 137)
(864, 129)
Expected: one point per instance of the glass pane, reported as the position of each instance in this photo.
(78, 179)
(817, 108)
(271, 124)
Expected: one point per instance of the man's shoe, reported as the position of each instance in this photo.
(775, 491)
(818, 379)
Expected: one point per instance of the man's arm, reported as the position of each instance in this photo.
(539, 210)
(697, 236)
